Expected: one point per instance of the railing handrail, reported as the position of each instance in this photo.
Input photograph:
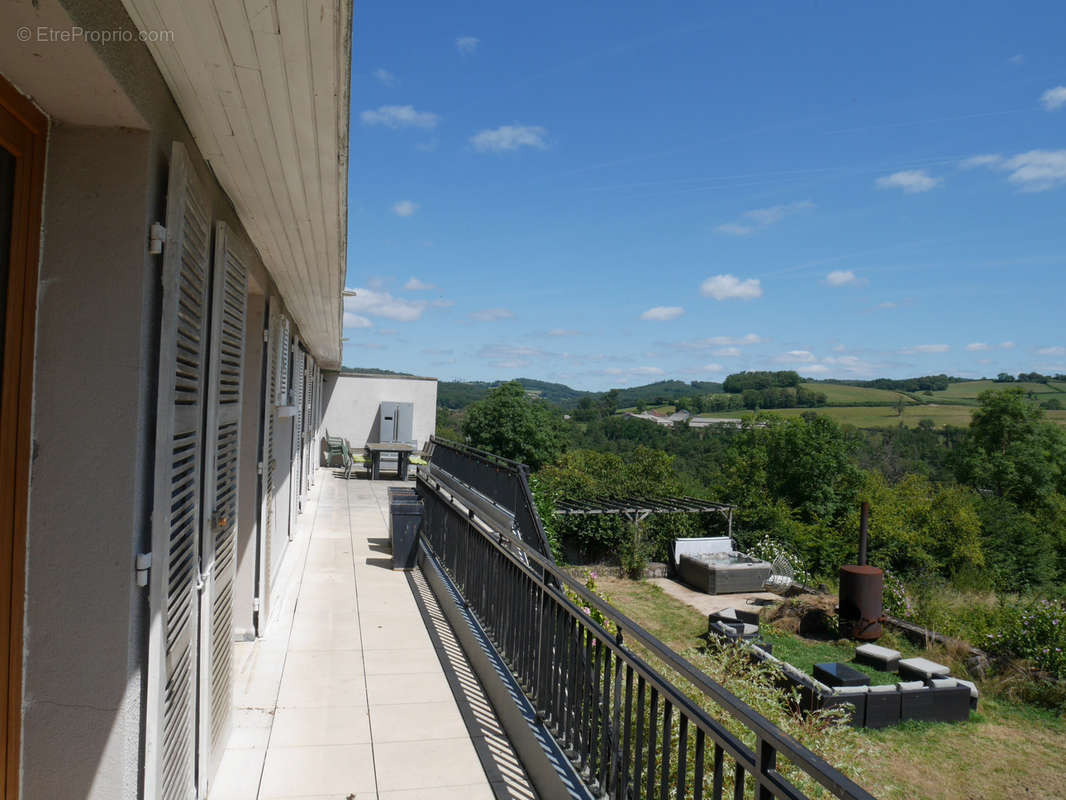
(785, 745)
(524, 508)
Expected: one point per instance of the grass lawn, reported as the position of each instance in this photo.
(967, 391)
(840, 394)
(1007, 750)
(883, 416)
(804, 653)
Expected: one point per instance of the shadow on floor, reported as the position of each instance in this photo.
(383, 563)
(502, 767)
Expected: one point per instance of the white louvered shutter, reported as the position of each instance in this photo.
(266, 514)
(170, 744)
(221, 476)
(298, 425)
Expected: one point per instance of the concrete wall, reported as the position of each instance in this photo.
(351, 403)
(84, 613)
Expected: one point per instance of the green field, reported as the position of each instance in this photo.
(966, 393)
(885, 416)
(839, 394)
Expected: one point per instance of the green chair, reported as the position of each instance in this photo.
(334, 448)
(350, 459)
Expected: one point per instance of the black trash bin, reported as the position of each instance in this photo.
(405, 518)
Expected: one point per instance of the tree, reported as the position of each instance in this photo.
(1013, 451)
(509, 423)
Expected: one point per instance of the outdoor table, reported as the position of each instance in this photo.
(403, 451)
(836, 674)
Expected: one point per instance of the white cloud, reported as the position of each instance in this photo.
(927, 348)
(723, 341)
(1033, 171)
(758, 218)
(510, 137)
(427, 147)
(768, 216)
(816, 369)
(1007, 345)
(796, 357)
(382, 304)
(975, 347)
(728, 287)
(911, 181)
(442, 302)
(399, 117)
(984, 160)
(1051, 351)
(662, 313)
(712, 368)
(415, 285)
(562, 332)
(727, 352)
(734, 229)
(887, 304)
(850, 364)
(1054, 99)
(841, 277)
(356, 321)
(1037, 170)
(632, 371)
(467, 45)
(510, 356)
(404, 208)
(491, 314)
(385, 77)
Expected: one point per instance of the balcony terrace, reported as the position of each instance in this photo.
(359, 688)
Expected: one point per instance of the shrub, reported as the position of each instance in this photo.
(1034, 631)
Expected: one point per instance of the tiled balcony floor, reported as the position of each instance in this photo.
(354, 694)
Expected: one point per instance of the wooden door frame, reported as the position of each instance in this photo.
(23, 132)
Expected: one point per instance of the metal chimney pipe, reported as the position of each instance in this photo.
(864, 519)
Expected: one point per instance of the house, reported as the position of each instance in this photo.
(173, 227)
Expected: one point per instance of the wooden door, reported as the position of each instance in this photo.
(23, 131)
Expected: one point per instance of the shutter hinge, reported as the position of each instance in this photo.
(266, 334)
(255, 604)
(259, 468)
(157, 234)
(143, 565)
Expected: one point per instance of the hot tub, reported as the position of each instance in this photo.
(723, 573)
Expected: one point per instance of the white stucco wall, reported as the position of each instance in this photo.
(351, 405)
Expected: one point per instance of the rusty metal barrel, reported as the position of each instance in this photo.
(860, 597)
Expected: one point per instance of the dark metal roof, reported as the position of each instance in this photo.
(639, 505)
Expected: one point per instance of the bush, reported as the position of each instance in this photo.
(1034, 631)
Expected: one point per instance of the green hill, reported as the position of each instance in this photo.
(662, 392)
(460, 394)
(839, 394)
(966, 393)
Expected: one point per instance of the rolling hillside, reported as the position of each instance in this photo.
(839, 394)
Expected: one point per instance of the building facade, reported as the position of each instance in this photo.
(172, 235)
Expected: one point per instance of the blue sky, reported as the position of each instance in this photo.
(608, 194)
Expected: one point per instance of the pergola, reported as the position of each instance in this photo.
(637, 509)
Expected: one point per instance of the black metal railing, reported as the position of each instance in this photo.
(630, 732)
(503, 481)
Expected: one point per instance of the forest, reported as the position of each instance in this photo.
(969, 522)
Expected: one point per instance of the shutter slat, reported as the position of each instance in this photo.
(223, 434)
